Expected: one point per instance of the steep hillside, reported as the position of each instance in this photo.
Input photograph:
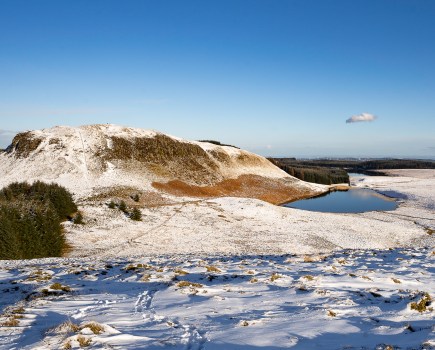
(97, 159)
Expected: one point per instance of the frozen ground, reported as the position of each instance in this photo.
(193, 275)
(360, 299)
(249, 226)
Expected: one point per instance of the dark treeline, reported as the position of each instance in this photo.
(361, 166)
(30, 220)
(310, 173)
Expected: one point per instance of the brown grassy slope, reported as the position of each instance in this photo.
(166, 157)
(275, 191)
(23, 144)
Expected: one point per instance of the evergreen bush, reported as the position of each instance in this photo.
(136, 215)
(122, 206)
(30, 220)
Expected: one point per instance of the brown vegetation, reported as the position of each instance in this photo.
(274, 191)
(23, 144)
(164, 154)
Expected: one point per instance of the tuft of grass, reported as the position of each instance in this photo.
(84, 341)
(331, 313)
(212, 269)
(70, 327)
(275, 276)
(39, 276)
(18, 310)
(395, 280)
(67, 345)
(253, 280)
(146, 277)
(181, 272)
(308, 277)
(183, 284)
(10, 322)
(58, 286)
(422, 304)
(95, 327)
(308, 259)
(131, 268)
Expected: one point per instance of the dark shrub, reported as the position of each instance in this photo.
(136, 215)
(122, 206)
(30, 220)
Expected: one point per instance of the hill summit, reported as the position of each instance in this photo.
(94, 158)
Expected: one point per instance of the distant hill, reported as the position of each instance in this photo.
(96, 159)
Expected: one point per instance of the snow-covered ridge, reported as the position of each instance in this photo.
(87, 158)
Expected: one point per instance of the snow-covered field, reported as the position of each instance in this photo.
(249, 226)
(194, 275)
(347, 300)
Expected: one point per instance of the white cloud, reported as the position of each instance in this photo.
(363, 117)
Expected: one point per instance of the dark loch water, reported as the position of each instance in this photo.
(352, 201)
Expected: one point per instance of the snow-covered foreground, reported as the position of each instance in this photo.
(360, 299)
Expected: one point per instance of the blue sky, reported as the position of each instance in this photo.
(276, 77)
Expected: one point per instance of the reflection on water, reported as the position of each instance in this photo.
(352, 201)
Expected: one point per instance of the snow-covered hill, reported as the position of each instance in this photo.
(92, 158)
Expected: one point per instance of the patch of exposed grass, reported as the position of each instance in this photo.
(10, 322)
(84, 341)
(395, 280)
(422, 304)
(181, 272)
(39, 276)
(18, 310)
(95, 327)
(275, 276)
(145, 277)
(183, 284)
(331, 313)
(212, 269)
(58, 286)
